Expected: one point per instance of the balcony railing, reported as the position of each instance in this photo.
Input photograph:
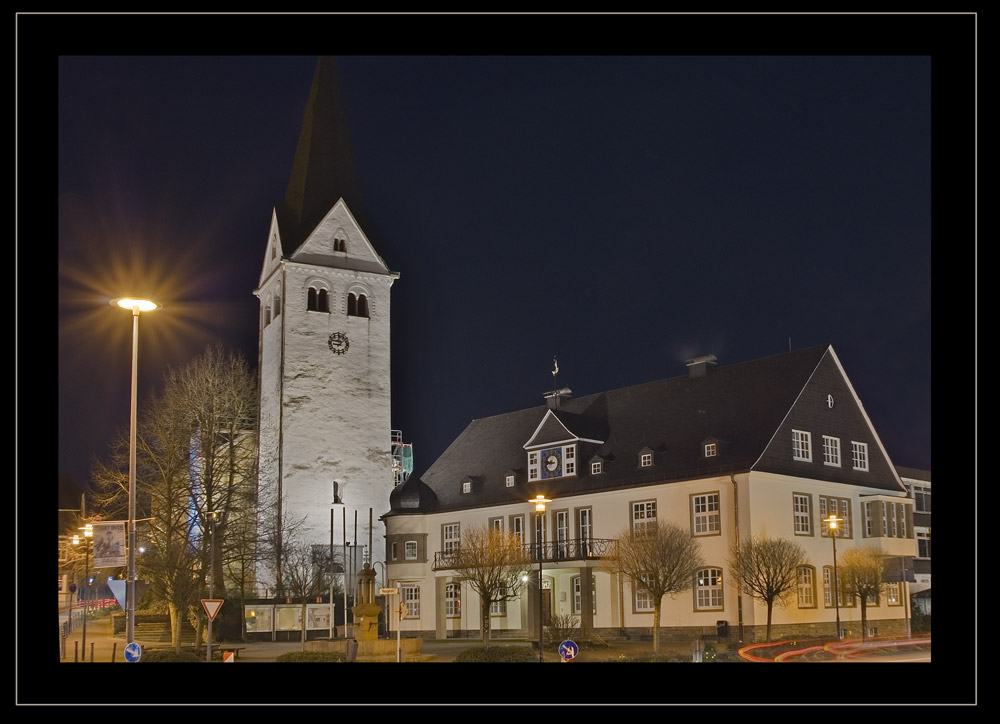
(578, 549)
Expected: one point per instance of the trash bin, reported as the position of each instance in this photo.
(352, 650)
(722, 629)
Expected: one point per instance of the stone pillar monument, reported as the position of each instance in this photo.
(366, 611)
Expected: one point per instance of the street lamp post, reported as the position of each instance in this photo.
(540, 501)
(88, 533)
(834, 522)
(135, 306)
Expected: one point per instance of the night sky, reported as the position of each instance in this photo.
(620, 212)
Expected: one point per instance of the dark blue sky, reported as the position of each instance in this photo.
(621, 212)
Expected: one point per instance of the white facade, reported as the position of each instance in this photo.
(765, 507)
(324, 362)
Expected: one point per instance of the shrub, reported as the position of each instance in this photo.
(507, 654)
(312, 656)
(168, 655)
(563, 626)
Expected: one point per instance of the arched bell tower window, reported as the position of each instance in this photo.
(318, 300)
(357, 305)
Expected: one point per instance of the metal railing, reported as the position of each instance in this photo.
(577, 549)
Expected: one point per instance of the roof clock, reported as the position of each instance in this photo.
(552, 462)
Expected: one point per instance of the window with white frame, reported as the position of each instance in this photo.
(708, 589)
(534, 472)
(646, 460)
(394, 551)
(831, 450)
(517, 528)
(921, 498)
(596, 468)
(466, 486)
(923, 542)
(643, 517)
(499, 608)
(496, 525)
(806, 585)
(801, 445)
(569, 460)
(562, 533)
(711, 449)
(705, 513)
(643, 600)
(578, 598)
(859, 455)
(893, 596)
(841, 507)
(842, 600)
(585, 518)
(508, 481)
(410, 596)
(410, 550)
(802, 513)
(452, 600)
(450, 535)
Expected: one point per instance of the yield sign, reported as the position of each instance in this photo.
(211, 606)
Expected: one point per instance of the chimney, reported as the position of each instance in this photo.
(701, 366)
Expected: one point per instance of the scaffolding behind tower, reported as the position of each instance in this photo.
(402, 458)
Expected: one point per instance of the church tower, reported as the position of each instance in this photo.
(323, 350)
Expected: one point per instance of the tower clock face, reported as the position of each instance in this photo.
(552, 462)
(338, 343)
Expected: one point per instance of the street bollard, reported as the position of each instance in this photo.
(76, 652)
(114, 651)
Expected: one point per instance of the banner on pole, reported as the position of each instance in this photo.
(109, 544)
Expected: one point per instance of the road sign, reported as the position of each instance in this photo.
(568, 650)
(133, 652)
(388, 591)
(211, 606)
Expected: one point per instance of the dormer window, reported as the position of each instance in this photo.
(466, 486)
(711, 449)
(596, 467)
(508, 480)
(552, 462)
(645, 459)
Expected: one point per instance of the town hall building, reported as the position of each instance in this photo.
(769, 447)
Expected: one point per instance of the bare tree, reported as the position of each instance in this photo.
(766, 569)
(195, 455)
(861, 573)
(306, 569)
(660, 560)
(492, 562)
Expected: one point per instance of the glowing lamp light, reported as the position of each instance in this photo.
(130, 303)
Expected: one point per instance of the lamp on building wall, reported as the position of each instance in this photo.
(540, 501)
(834, 525)
(135, 306)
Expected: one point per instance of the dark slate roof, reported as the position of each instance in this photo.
(913, 473)
(741, 406)
(323, 170)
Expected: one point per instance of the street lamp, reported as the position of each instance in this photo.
(540, 501)
(834, 524)
(135, 306)
(88, 533)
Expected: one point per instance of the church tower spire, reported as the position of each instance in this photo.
(323, 169)
(324, 430)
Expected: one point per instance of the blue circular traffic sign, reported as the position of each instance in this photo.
(568, 650)
(132, 652)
